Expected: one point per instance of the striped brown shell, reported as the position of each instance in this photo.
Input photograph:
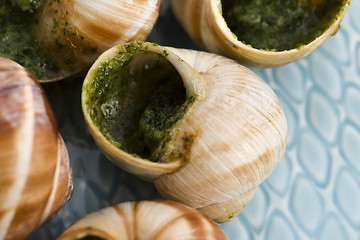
(204, 22)
(35, 175)
(145, 220)
(224, 146)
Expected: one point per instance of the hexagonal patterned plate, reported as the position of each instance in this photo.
(314, 192)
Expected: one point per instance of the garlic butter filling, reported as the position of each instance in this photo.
(18, 40)
(135, 99)
(279, 24)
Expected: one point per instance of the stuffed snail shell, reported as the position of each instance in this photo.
(35, 175)
(206, 130)
(57, 39)
(260, 33)
(145, 219)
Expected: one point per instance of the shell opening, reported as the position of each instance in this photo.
(91, 237)
(280, 25)
(135, 99)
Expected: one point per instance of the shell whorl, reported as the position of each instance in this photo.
(35, 175)
(143, 220)
(239, 134)
(229, 140)
(76, 32)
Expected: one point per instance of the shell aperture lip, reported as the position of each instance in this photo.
(139, 97)
(133, 99)
(279, 25)
(213, 31)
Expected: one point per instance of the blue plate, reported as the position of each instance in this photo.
(314, 193)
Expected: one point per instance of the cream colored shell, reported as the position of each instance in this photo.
(35, 175)
(76, 32)
(232, 137)
(145, 220)
(203, 21)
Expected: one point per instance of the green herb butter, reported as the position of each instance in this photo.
(279, 24)
(27, 5)
(135, 105)
(17, 39)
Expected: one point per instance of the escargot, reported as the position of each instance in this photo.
(35, 175)
(57, 39)
(145, 219)
(205, 129)
(260, 33)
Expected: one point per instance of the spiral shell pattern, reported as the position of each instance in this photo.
(145, 220)
(35, 175)
(224, 146)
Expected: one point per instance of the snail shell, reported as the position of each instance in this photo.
(146, 219)
(204, 22)
(74, 33)
(35, 175)
(227, 142)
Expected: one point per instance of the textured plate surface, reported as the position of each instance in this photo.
(314, 192)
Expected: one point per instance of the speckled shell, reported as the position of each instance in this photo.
(143, 220)
(76, 32)
(35, 175)
(205, 24)
(232, 137)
